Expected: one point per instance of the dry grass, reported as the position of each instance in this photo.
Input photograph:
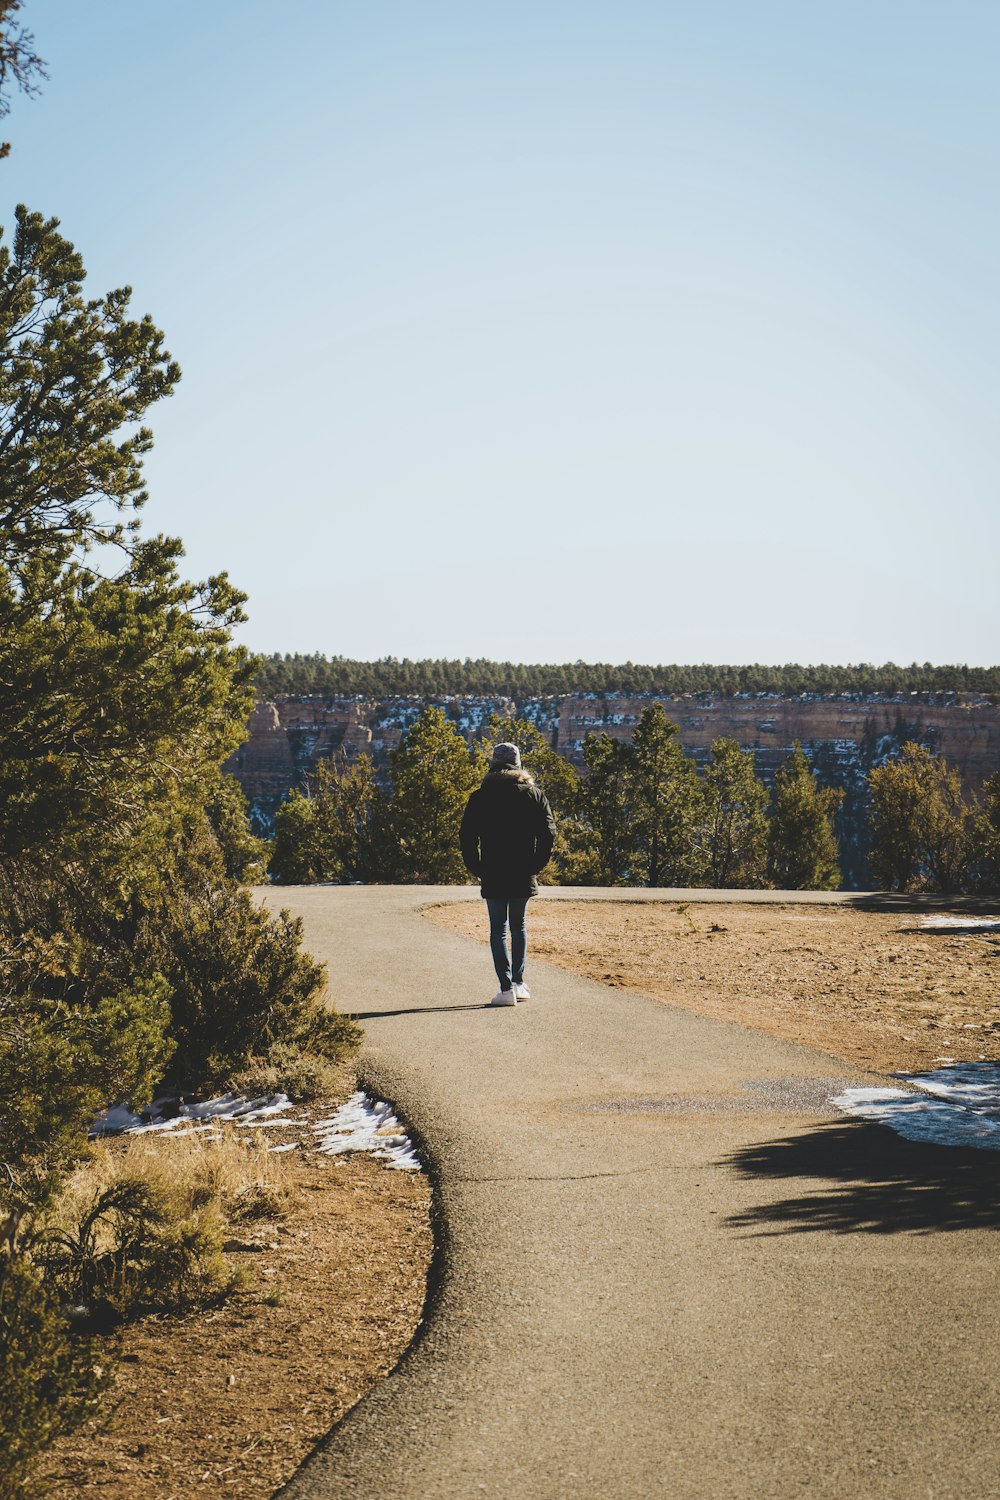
(222, 1170)
(141, 1226)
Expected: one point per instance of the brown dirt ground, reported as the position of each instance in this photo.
(227, 1403)
(875, 989)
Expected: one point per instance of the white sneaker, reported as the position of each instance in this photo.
(504, 997)
(521, 991)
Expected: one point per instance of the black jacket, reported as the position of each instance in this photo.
(507, 834)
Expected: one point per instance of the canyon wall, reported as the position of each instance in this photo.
(844, 736)
(965, 728)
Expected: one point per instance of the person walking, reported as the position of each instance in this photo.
(506, 836)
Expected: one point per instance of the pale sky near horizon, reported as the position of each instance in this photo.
(549, 331)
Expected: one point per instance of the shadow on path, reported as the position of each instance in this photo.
(417, 1010)
(878, 1183)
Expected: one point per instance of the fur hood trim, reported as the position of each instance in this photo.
(509, 773)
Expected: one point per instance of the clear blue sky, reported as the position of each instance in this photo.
(543, 330)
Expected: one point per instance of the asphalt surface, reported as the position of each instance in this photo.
(666, 1266)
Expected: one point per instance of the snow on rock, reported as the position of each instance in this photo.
(980, 924)
(955, 1106)
(362, 1124)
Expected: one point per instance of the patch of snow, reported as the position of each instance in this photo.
(983, 924)
(364, 1124)
(119, 1120)
(974, 1085)
(953, 1106)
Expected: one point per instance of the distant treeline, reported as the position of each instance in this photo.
(340, 676)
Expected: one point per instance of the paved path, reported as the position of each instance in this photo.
(668, 1268)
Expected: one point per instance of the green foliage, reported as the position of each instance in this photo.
(433, 775)
(667, 805)
(121, 698)
(735, 806)
(293, 858)
(239, 983)
(351, 827)
(985, 836)
(645, 807)
(355, 837)
(341, 676)
(45, 1104)
(129, 953)
(48, 1379)
(341, 830)
(302, 1072)
(244, 857)
(608, 812)
(74, 372)
(61, 1062)
(802, 845)
(923, 829)
(641, 814)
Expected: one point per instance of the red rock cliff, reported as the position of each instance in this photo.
(290, 735)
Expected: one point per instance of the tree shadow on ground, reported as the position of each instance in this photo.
(866, 1179)
(923, 903)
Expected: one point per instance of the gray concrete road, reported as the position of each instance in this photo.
(667, 1268)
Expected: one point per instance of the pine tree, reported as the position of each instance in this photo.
(123, 692)
(433, 773)
(922, 827)
(293, 854)
(802, 845)
(607, 811)
(667, 805)
(130, 956)
(737, 824)
(244, 856)
(341, 675)
(986, 840)
(353, 833)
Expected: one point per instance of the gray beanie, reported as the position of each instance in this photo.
(505, 755)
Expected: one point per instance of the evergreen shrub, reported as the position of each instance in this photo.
(49, 1378)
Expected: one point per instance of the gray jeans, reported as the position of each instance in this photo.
(509, 966)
